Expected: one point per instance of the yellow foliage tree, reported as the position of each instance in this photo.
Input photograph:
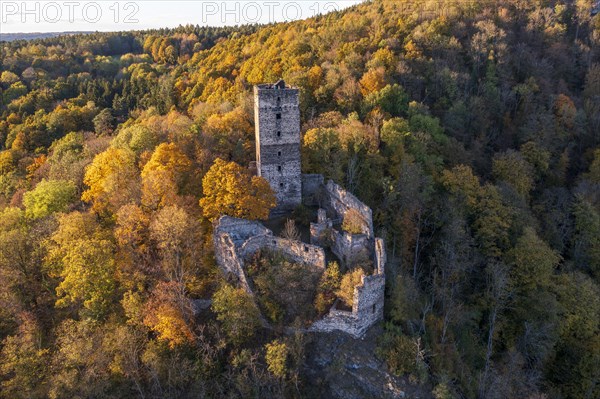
(23, 361)
(461, 181)
(170, 158)
(231, 190)
(353, 222)
(230, 134)
(113, 180)
(513, 169)
(276, 358)
(328, 285)
(133, 260)
(8, 162)
(81, 257)
(349, 281)
(164, 176)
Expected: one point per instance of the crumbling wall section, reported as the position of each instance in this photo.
(351, 249)
(368, 299)
(228, 236)
(295, 251)
(367, 307)
(239, 229)
(312, 185)
(235, 240)
(320, 232)
(380, 256)
(339, 202)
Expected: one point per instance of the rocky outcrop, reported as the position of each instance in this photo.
(341, 367)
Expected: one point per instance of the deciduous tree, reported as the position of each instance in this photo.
(514, 170)
(112, 180)
(81, 256)
(169, 314)
(350, 280)
(49, 196)
(237, 312)
(164, 176)
(231, 190)
(276, 357)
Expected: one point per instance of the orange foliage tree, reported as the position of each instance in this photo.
(168, 313)
(231, 190)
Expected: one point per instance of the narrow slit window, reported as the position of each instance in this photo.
(278, 116)
(281, 185)
(279, 168)
(374, 308)
(278, 153)
(278, 134)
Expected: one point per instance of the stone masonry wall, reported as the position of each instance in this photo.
(228, 236)
(295, 251)
(380, 256)
(320, 232)
(235, 240)
(340, 201)
(311, 189)
(351, 249)
(368, 302)
(277, 126)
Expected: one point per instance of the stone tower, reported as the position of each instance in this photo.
(277, 121)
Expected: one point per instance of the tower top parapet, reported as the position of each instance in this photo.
(280, 84)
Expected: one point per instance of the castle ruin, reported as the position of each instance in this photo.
(236, 240)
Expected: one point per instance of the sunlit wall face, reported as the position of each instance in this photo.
(110, 15)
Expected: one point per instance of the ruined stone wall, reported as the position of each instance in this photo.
(312, 185)
(295, 251)
(351, 249)
(340, 201)
(235, 240)
(366, 311)
(380, 256)
(368, 299)
(369, 296)
(277, 125)
(241, 229)
(320, 232)
(367, 307)
(228, 236)
(337, 203)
